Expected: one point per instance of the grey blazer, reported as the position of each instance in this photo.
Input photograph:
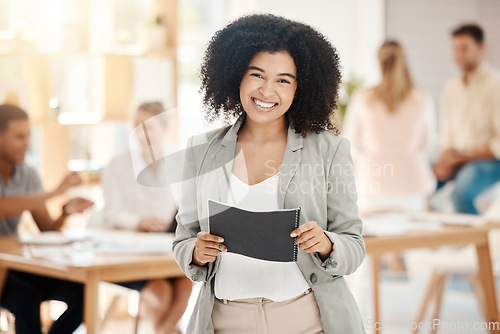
(317, 175)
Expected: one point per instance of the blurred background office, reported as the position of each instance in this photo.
(80, 68)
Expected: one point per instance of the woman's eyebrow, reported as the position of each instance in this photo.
(256, 68)
(261, 70)
(288, 75)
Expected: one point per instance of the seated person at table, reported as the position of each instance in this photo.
(21, 190)
(130, 205)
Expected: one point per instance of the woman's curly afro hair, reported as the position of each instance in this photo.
(232, 48)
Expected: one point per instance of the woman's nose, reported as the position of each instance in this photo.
(266, 89)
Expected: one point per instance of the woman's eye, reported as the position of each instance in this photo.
(257, 75)
(283, 81)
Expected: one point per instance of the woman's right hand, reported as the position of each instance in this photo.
(207, 247)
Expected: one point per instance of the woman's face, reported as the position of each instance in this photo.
(268, 86)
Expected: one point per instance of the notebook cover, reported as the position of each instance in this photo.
(261, 235)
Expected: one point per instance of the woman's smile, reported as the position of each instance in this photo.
(265, 106)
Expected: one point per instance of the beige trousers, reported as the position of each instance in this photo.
(299, 315)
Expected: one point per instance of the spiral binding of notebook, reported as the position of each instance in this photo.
(295, 246)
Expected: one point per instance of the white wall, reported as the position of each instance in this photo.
(424, 28)
(354, 27)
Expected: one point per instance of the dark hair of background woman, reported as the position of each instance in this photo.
(232, 48)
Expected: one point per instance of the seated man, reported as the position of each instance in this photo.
(133, 206)
(470, 123)
(21, 190)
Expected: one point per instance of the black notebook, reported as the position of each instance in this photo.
(262, 235)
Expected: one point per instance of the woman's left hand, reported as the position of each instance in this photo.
(311, 238)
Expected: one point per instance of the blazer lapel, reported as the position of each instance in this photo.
(289, 165)
(225, 157)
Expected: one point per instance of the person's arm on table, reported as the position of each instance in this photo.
(45, 222)
(15, 205)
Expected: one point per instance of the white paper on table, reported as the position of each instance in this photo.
(396, 224)
(51, 238)
(129, 243)
(74, 254)
(63, 249)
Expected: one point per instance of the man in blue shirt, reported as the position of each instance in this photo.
(20, 190)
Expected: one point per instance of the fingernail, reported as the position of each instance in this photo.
(293, 234)
(221, 240)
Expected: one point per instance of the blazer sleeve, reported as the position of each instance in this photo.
(344, 224)
(188, 224)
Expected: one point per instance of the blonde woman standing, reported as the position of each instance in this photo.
(391, 128)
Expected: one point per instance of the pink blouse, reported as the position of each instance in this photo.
(391, 150)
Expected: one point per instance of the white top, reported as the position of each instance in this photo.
(241, 277)
(127, 201)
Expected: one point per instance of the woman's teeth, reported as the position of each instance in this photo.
(264, 104)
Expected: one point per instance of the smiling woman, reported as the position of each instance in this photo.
(280, 79)
(316, 77)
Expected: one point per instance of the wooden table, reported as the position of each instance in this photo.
(447, 236)
(112, 268)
